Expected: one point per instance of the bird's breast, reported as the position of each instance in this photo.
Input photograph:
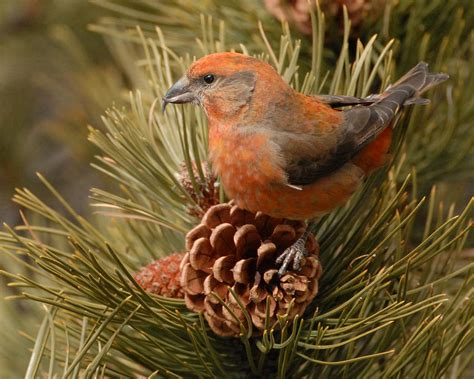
(244, 160)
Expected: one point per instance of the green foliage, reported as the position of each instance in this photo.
(186, 20)
(394, 299)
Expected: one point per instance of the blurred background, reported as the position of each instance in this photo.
(57, 77)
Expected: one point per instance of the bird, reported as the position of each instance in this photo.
(287, 154)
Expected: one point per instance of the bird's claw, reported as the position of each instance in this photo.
(295, 253)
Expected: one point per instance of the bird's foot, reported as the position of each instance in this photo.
(295, 253)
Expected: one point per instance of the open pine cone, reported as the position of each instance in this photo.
(237, 249)
(297, 12)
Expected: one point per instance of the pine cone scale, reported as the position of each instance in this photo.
(246, 239)
(244, 270)
(192, 280)
(222, 239)
(202, 256)
(200, 231)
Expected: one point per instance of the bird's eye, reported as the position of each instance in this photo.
(209, 78)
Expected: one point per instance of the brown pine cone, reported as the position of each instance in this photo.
(206, 192)
(237, 249)
(297, 12)
(162, 277)
(357, 10)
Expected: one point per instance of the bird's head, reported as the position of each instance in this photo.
(225, 84)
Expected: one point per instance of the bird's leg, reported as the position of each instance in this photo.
(295, 253)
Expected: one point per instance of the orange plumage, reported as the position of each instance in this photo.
(284, 153)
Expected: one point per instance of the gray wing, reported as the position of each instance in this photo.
(361, 126)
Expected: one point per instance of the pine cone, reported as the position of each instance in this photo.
(207, 193)
(237, 249)
(297, 12)
(162, 277)
(357, 10)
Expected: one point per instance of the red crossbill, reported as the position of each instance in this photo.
(284, 153)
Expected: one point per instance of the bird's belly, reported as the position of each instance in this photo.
(251, 174)
(250, 191)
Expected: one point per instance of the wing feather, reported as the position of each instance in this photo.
(338, 101)
(361, 124)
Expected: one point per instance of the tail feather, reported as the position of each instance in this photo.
(368, 122)
(409, 88)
